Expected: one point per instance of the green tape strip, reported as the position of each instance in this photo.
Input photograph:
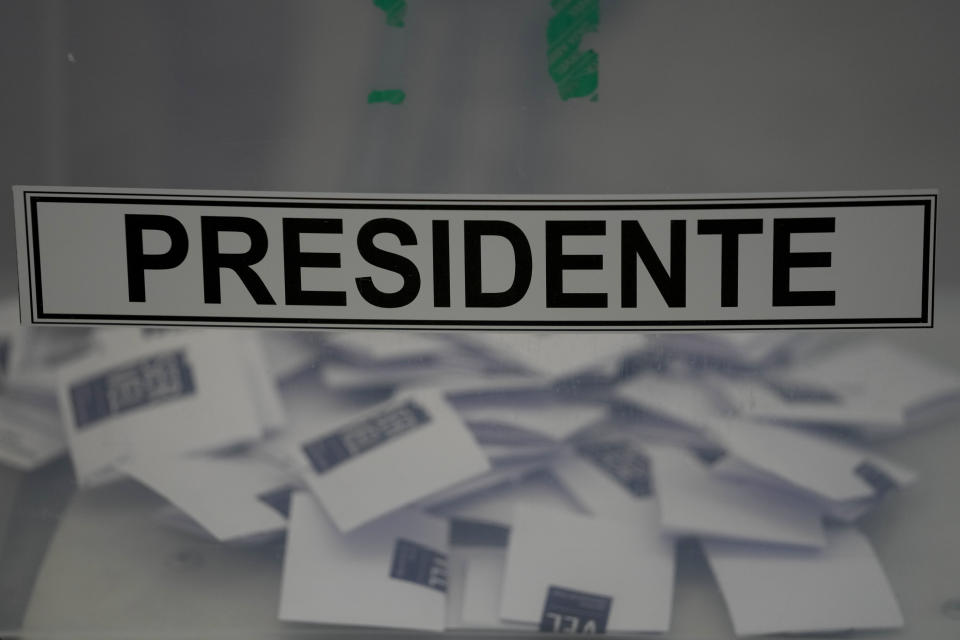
(574, 72)
(396, 11)
(391, 96)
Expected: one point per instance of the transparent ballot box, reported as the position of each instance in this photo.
(359, 318)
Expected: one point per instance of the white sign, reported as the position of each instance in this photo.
(97, 256)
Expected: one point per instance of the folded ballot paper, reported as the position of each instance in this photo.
(270, 409)
(686, 400)
(499, 474)
(841, 478)
(33, 363)
(770, 589)
(493, 482)
(473, 597)
(871, 388)
(387, 348)
(30, 435)
(568, 572)
(497, 505)
(693, 500)
(555, 356)
(389, 456)
(378, 360)
(233, 499)
(288, 355)
(390, 574)
(740, 349)
(555, 421)
(177, 393)
(608, 477)
(827, 468)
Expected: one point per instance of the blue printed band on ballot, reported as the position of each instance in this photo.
(569, 611)
(419, 564)
(159, 378)
(356, 438)
(874, 476)
(629, 467)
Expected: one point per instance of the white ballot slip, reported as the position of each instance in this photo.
(871, 387)
(39, 350)
(775, 590)
(311, 412)
(390, 347)
(346, 377)
(248, 344)
(391, 574)
(171, 517)
(656, 429)
(288, 354)
(456, 574)
(50, 346)
(846, 511)
(311, 408)
(270, 409)
(577, 573)
(805, 404)
(118, 338)
(737, 348)
(389, 456)
(557, 355)
(882, 372)
(232, 498)
(826, 467)
(173, 394)
(30, 356)
(498, 474)
(28, 439)
(609, 478)
(482, 585)
(683, 400)
(557, 421)
(36, 385)
(695, 501)
(497, 505)
(486, 566)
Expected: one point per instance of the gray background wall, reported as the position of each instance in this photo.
(694, 97)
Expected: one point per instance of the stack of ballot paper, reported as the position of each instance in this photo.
(733, 349)
(496, 481)
(31, 433)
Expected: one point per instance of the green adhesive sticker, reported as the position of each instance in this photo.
(396, 11)
(575, 72)
(391, 96)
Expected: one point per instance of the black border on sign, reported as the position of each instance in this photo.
(33, 198)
